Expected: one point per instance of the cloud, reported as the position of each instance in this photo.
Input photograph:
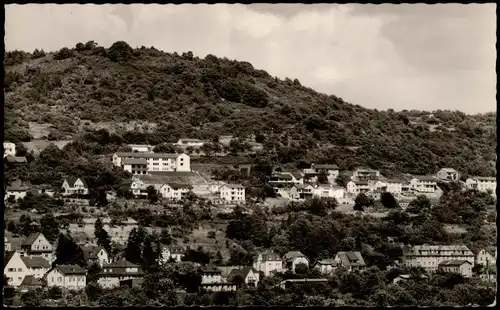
(388, 56)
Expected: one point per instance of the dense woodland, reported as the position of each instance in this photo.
(185, 96)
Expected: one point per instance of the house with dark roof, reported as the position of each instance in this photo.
(136, 166)
(212, 280)
(293, 258)
(14, 268)
(487, 256)
(268, 262)
(301, 191)
(247, 275)
(37, 245)
(71, 277)
(113, 274)
(95, 254)
(74, 186)
(352, 261)
(286, 179)
(326, 266)
(463, 267)
(36, 266)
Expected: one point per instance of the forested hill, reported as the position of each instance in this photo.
(185, 96)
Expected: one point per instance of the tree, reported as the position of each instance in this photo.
(92, 273)
(102, 236)
(21, 150)
(165, 148)
(301, 269)
(152, 194)
(120, 51)
(50, 227)
(419, 204)
(323, 177)
(55, 292)
(133, 252)
(148, 255)
(342, 179)
(68, 252)
(387, 199)
(362, 201)
(166, 237)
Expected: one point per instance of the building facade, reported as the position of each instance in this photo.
(112, 274)
(71, 277)
(482, 184)
(232, 192)
(9, 149)
(74, 186)
(462, 267)
(268, 262)
(424, 184)
(448, 174)
(157, 161)
(430, 256)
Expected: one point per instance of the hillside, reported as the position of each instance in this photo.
(167, 96)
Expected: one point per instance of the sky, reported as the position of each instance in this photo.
(406, 56)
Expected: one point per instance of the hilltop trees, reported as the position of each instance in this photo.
(362, 201)
(68, 252)
(102, 236)
(387, 199)
(419, 204)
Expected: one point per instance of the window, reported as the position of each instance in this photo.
(182, 164)
(12, 269)
(19, 269)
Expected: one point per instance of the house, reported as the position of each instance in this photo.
(331, 171)
(462, 267)
(286, 283)
(173, 252)
(136, 166)
(293, 258)
(249, 275)
(141, 148)
(156, 161)
(15, 192)
(9, 149)
(73, 185)
(174, 190)
(430, 256)
(406, 277)
(14, 268)
(365, 174)
(285, 179)
(232, 192)
(301, 191)
(16, 160)
(122, 270)
(487, 256)
(356, 187)
(194, 143)
(96, 254)
(30, 283)
(394, 186)
(423, 184)
(212, 281)
(448, 174)
(71, 277)
(36, 266)
(353, 261)
(326, 266)
(489, 274)
(330, 191)
(37, 245)
(267, 263)
(482, 184)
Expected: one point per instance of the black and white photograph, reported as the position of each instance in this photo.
(249, 155)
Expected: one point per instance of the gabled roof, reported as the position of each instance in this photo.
(283, 175)
(296, 175)
(30, 280)
(211, 269)
(69, 269)
(187, 140)
(122, 263)
(35, 262)
(329, 261)
(31, 238)
(7, 141)
(146, 155)
(8, 256)
(448, 170)
(455, 263)
(293, 254)
(179, 185)
(91, 251)
(71, 181)
(351, 259)
(243, 272)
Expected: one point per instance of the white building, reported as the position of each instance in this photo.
(365, 174)
(286, 179)
(448, 174)
(462, 267)
(331, 191)
(174, 191)
(268, 262)
(331, 171)
(394, 186)
(195, 143)
(16, 192)
(424, 184)
(96, 254)
(157, 161)
(14, 269)
(352, 261)
(135, 166)
(141, 148)
(249, 275)
(175, 253)
(487, 256)
(167, 190)
(294, 258)
(121, 270)
(430, 256)
(73, 186)
(232, 192)
(301, 191)
(9, 149)
(482, 184)
(72, 277)
(326, 266)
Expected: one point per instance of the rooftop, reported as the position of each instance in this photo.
(233, 185)
(134, 161)
(35, 262)
(71, 269)
(455, 263)
(146, 155)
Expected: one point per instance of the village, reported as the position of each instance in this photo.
(29, 261)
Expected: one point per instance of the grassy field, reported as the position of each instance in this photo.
(199, 238)
(42, 144)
